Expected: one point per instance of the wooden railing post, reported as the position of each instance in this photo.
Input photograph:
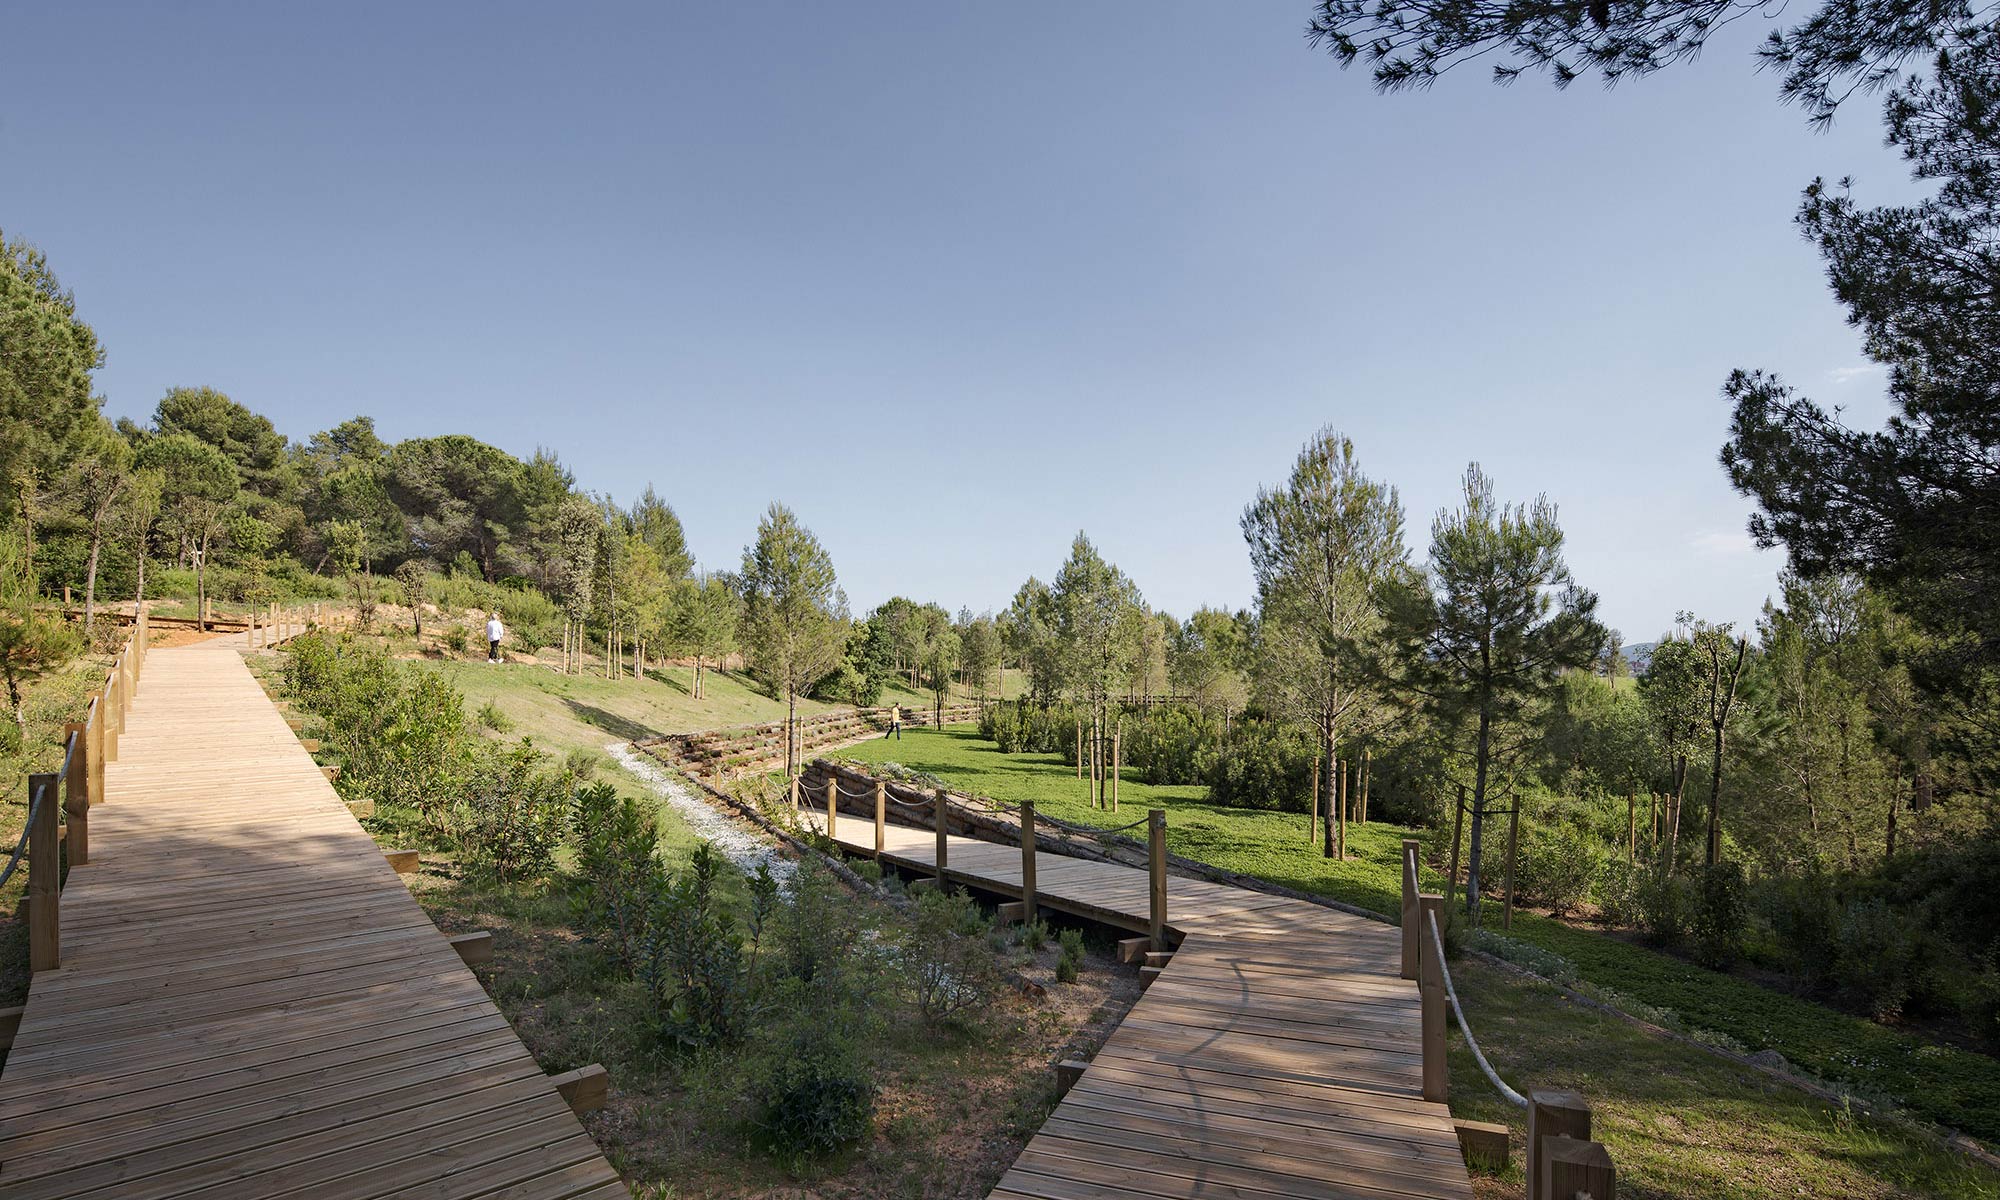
(1156, 876)
(832, 802)
(1027, 861)
(1437, 1069)
(44, 877)
(93, 723)
(107, 705)
(941, 836)
(76, 793)
(1412, 948)
(1553, 1114)
(881, 815)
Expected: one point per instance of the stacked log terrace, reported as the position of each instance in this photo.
(753, 749)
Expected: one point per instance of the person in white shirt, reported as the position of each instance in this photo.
(494, 632)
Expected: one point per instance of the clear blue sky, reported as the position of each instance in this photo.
(953, 281)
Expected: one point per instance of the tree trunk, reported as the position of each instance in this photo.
(201, 585)
(1482, 752)
(1895, 798)
(1674, 812)
(139, 593)
(1457, 833)
(90, 574)
(1513, 850)
(1312, 817)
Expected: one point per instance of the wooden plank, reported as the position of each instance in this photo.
(249, 1004)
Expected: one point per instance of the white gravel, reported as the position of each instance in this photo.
(737, 843)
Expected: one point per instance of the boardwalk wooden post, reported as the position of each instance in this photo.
(1552, 1114)
(44, 877)
(1437, 1069)
(107, 702)
(941, 835)
(93, 718)
(1156, 876)
(1027, 861)
(881, 815)
(1577, 1168)
(1412, 948)
(832, 801)
(76, 798)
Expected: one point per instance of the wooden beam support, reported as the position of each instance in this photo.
(587, 1089)
(1135, 949)
(1011, 912)
(1552, 1115)
(331, 773)
(1158, 958)
(361, 808)
(1068, 1071)
(1572, 1167)
(1148, 974)
(405, 861)
(1483, 1144)
(475, 948)
(311, 745)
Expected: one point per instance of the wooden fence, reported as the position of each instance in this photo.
(59, 803)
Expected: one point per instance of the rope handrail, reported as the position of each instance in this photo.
(21, 846)
(1437, 945)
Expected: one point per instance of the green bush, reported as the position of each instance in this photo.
(455, 638)
(1264, 765)
(1170, 745)
(1666, 908)
(513, 815)
(691, 959)
(812, 1092)
(1557, 865)
(1804, 913)
(1069, 956)
(1883, 960)
(1022, 727)
(617, 860)
(1721, 914)
(492, 718)
(948, 970)
(1617, 891)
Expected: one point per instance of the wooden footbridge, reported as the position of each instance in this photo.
(235, 994)
(1281, 1048)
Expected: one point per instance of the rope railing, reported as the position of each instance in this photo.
(1472, 1043)
(35, 797)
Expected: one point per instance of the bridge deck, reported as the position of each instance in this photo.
(251, 1004)
(1276, 1056)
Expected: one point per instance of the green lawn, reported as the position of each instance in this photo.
(1941, 1084)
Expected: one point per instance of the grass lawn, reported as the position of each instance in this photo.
(1942, 1084)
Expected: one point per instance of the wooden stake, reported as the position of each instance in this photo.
(941, 837)
(1412, 948)
(76, 798)
(1156, 873)
(832, 802)
(1437, 1068)
(1571, 1167)
(1028, 840)
(44, 877)
(881, 814)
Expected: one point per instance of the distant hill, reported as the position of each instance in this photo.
(1638, 655)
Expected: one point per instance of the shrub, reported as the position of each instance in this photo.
(1882, 957)
(513, 816)
(948, 970)
(1170, 745)
(1665, 907)
(1069, 956)
(812, 1092)
(691, 961)
(1805, 917)
(1264, 765)
(1617, 891)
(1721, 914)
(814, 932)
(455, 638)
(617, 856)
(1021, 727)
(1557, 865)
(492, 718)
(1033, 934)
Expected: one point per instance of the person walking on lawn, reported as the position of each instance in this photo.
(895, 729)
(494, 632)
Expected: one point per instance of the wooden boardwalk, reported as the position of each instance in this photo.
(1277, 1055)
(251, 1005)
